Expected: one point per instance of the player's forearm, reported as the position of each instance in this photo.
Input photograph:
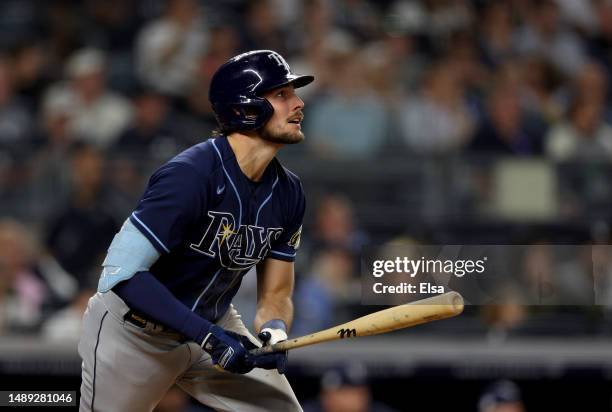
(274, 308)
(275, 280)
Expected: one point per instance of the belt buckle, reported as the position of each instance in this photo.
(144, 323)
(135, 319)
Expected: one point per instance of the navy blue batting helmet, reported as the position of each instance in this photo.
(236, 88)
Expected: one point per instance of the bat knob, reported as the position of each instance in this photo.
(457, 302)
(264, 336)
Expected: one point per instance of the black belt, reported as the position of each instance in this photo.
(138, 319)
(142, 321)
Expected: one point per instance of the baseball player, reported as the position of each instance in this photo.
(162, 314)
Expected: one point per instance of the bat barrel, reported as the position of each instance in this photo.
(398, 317)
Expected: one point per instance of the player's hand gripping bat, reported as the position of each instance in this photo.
(398, 317)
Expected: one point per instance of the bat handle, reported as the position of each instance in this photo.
(264, 349)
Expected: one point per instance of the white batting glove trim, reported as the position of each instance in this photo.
(203, 345)
(276, 335)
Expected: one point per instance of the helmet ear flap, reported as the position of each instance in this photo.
(250, 115)
(255, 113)
(266, 112)
(245, 111)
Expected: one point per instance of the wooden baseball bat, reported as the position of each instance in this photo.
(398, 317)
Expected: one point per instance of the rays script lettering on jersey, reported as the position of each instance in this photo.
(237, 249)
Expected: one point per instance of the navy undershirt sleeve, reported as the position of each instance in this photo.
(144, 293)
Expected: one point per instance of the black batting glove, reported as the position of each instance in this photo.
(274, 360)
(227, 350)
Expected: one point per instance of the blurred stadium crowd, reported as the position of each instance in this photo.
(438, 121)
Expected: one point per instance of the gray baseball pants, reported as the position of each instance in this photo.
(128, 368)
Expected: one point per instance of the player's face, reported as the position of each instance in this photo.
(285, 125)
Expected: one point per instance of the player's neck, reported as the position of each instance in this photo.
(252, 153)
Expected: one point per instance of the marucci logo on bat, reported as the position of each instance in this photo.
(348, 333)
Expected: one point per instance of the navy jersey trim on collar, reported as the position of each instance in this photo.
(228, 158)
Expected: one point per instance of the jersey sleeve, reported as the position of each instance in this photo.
(171, 203)
(286, 246)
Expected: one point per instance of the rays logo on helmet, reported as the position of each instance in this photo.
(280, 61)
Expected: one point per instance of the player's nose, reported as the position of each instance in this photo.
(298, 104)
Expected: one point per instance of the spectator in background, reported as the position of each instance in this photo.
(600, 42)
(31, 283)
(463, 56)
(196, 121)
(80, 233)
(152, 137)
(335, 226)
(437, 120)
(576, 275)
(169, 49)
(323, 297)
(601, 259)
(18, 19)
(578, 14)
(151, 134)
(590, 84)
(30, 72)
(496, 34)
(501, 396)
(312, 28)
(263, 28)
(331, 285)
(22, 291)
(51, 174)
(15, 120)
(504, 317)
(447, 17)
(394, 67)
(584, 136)
(506, 128)
(98, 115)
(544, 34)
(541, 83)
(112, 25)
(126, 177)
(538, 275)
(224, 44)
(65, 324)
(358, 17)
(61, 34)
(351, 121)
(345, 388)
(318, 54)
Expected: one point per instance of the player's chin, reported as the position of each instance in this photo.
(295, 137)
(288, 137)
